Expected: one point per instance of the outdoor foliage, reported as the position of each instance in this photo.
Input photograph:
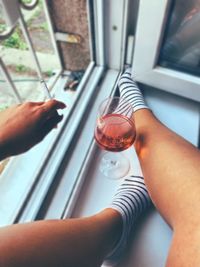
(15, 41)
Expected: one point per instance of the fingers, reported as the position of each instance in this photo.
(49, 106)
(49, 109)
(49, 125)
(53, 105)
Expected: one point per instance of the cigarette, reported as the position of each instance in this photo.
(45, 89)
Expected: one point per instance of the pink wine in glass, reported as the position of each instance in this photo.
(115, 132)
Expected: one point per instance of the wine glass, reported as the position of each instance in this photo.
(115, 132)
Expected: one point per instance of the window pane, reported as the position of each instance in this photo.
(181, 46)
(18, 60)
(72, 38)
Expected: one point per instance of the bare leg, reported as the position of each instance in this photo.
(172, 174)
(71, 243)
(171, 168)
(77, 242)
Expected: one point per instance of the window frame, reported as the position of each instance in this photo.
(147, 46)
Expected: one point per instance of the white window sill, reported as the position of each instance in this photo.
(71, 175)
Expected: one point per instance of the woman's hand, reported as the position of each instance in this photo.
(25, 125)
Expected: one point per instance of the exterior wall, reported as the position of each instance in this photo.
(71, 17)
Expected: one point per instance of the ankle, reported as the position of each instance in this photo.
(111, 221)
(130, 201)
(111, 225)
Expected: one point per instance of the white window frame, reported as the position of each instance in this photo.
(152, 17)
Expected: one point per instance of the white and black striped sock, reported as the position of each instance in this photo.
(130, 92)
(130, 201)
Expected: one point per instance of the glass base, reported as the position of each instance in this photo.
(114, 165)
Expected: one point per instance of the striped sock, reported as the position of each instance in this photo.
(130, 91)
(130, 201)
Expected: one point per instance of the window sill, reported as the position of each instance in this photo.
(71, 175)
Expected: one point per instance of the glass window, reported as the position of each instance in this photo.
(62, 62)
(18, 60)
(181, 47)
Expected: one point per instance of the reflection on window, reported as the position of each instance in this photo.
(181, 46)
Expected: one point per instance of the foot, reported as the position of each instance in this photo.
(130, 92)
(131, 200)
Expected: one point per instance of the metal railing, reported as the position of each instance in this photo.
(23, 26)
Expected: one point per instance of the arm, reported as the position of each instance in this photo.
(25, 125)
